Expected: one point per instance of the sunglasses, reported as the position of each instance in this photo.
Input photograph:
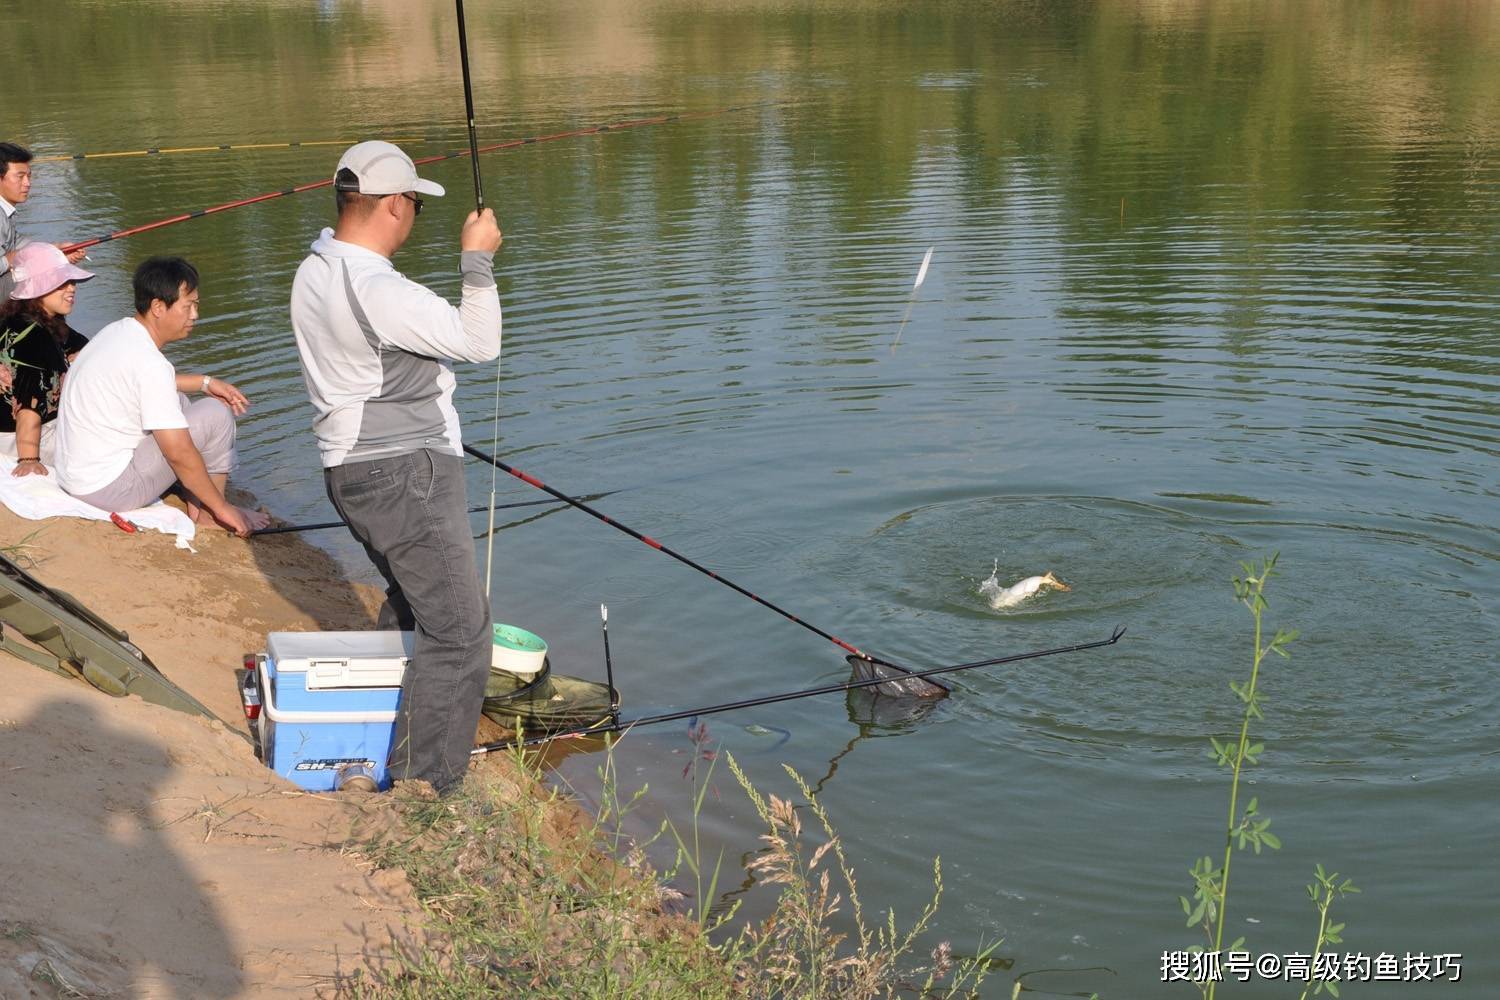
(415, 202)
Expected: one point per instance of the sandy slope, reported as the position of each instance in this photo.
(146, 853)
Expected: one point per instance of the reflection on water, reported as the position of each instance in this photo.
(1213, 278)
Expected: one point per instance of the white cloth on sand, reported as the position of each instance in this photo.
(39, 497)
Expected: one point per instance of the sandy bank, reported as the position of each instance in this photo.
(146, 853)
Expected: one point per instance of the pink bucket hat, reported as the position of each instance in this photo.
(40, 268)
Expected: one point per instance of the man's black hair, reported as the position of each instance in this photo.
(11, 153)
(346, 193)
(162, 278)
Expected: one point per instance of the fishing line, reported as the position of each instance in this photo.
(875, 664)
(234, 147)
(771, 699)
(508, 144)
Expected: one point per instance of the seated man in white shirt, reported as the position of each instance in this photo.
(125, 431)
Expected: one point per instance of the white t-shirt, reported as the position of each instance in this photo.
(120, 389)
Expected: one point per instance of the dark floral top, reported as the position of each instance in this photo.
(32, 366)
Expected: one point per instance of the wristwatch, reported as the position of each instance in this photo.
(207, 379)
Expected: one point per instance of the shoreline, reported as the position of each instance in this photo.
(149, 852)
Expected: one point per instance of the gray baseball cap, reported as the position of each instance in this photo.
(382, 168)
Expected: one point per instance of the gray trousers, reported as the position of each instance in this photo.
(149, 474)
(411, 514)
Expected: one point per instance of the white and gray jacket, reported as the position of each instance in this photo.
(375, 348)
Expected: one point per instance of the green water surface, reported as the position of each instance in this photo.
(1209, 280)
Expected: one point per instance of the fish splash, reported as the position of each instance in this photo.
(1008, 597)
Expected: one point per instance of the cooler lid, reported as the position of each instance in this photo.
(341, 659)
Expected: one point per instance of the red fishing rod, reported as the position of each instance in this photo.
(904, 680)
(508, 144)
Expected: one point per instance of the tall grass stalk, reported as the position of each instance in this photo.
(1210, 905)
(1250, 590)
(690, 855)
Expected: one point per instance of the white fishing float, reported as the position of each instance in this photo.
(922, 271)
(912, 300)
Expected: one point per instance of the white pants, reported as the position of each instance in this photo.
(149, 474)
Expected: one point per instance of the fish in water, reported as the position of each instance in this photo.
(1009, 597)
(756, 729)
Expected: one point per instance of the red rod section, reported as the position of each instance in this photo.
(533, 481)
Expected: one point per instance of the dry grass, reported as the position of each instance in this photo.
(26, 552)
(531, 898)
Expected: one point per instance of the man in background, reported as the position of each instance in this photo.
(15, 188)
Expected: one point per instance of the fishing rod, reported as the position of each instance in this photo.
(287, 529)
(772, 699)
(463, 56)
(508, 144)
(235, 147)
(609, 668)
(322, 525)
(902, 677)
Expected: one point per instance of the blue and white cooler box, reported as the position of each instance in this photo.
(328, 703)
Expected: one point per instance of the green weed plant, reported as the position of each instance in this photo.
(1249, 828)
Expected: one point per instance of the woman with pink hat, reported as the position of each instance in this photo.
(36, 346)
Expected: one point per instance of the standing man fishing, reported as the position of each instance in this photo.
(375, 348)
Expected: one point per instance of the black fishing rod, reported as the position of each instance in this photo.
(772, 699)
(609, 667)
(323, 525)
(903, 675)
(463, 56)
(287, 529)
